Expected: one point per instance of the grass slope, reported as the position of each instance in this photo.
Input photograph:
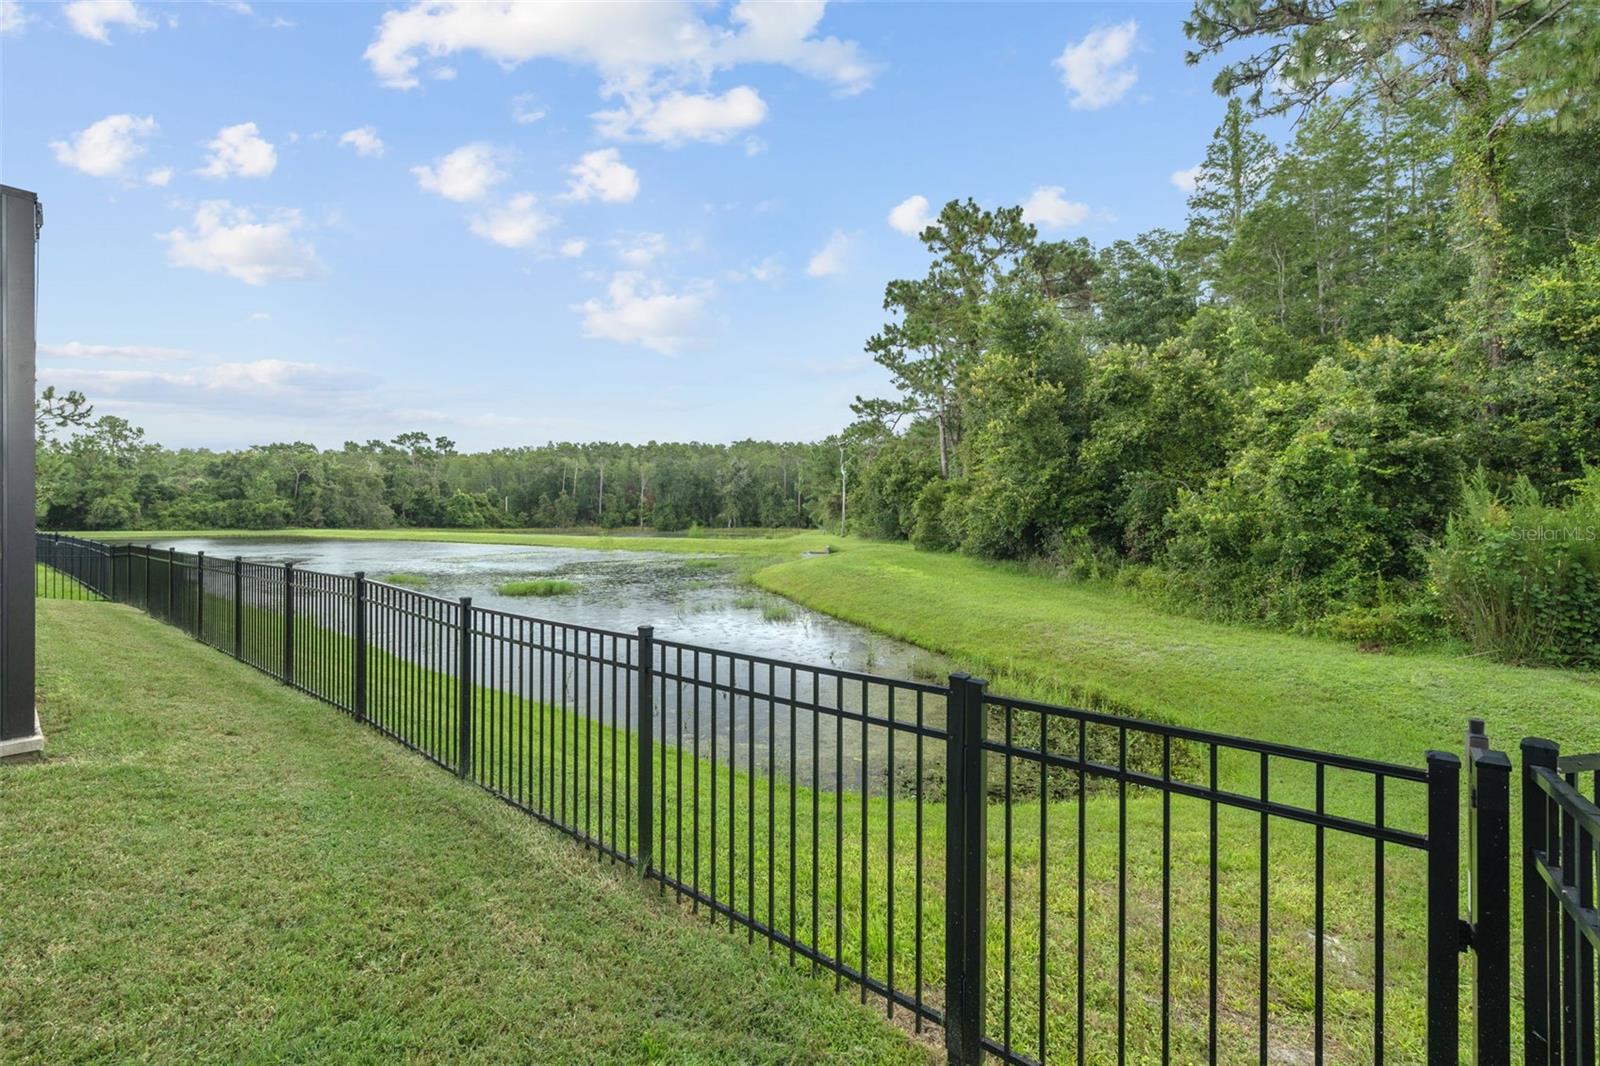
(1042, 636)
(226, 872)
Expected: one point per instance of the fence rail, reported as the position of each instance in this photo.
(1041, 883)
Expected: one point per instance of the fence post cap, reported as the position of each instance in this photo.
(1443, 759)
(646, 631)
(1493, 760)
(1539, 744)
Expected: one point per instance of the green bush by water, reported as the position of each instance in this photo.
(410, 581)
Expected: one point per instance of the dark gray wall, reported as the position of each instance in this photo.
(19, 219)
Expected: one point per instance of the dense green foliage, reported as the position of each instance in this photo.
(1270, 416)
(105, 475)
(1524, 576)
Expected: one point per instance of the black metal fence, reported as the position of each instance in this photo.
(1561, 827)
(1041, 883)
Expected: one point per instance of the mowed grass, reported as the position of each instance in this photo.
(207, 866)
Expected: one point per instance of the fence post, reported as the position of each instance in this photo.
(288, 623)
(360, 693)
(966, 852)
(1540, 1016)
(1444, 909)
(645, 706)
(238, 607)
(464, 679)
(172, 582)
(200, 596)
(1489, 896)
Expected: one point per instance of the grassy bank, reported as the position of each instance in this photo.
(212, 867)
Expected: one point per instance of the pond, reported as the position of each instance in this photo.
(688, 598)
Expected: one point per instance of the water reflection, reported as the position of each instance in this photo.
(752, 713)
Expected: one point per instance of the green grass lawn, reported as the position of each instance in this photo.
(207, 866)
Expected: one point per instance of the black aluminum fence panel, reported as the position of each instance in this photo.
(1166, 894)
(67, 569)
(798, 803)
(1044, 883)
(1561, 915)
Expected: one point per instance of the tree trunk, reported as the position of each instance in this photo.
(1480, 182)
(844, 486)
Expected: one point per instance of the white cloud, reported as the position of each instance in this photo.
(12, 17)
(1048, 207)
(602, 175)
(261, 316)
(466, 174)
(279, 386)
(240, 151)
(1096, 70)
(79, 350)
(642, 249)
(525, 110)
(159, 177)
(515, 224)
(1185, 179)
(769, 269)
(911, 216)
(640, 311)
(829, 259)
(90, 18)
(105, 148)
(574, 247)
(631, 46)
(677, 117)
(224, 239)
(364, 139)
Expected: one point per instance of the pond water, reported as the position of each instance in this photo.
(688, 598)
(691, 599)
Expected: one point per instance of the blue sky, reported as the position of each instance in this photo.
(518, 223)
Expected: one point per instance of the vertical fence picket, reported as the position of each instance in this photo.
(645, 713)
(1537, 1009)
(358, 626)
(464, 689)
(966, 852)
(1444, 908)
(1489, 892)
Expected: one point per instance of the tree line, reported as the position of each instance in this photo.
(1359, 392)
(101, 473)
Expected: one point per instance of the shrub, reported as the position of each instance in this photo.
(928, 528)
(1520, 578)
(1327, 504)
